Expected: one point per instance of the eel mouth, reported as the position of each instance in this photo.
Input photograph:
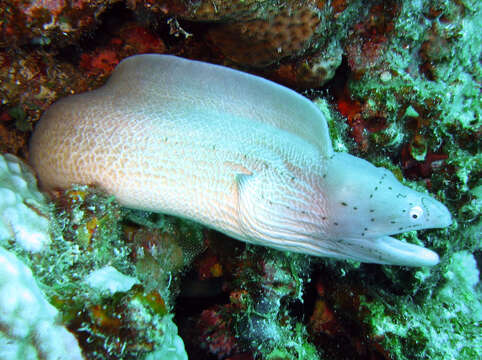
(389, 251)
(397, 252)
(384, 250)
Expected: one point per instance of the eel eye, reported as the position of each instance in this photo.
(416, 213)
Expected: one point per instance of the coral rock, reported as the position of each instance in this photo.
(28, 322)
(109, 280)
(213, 10)
(265, 41)
(24, 215)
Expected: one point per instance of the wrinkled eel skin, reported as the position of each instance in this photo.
(235, 152)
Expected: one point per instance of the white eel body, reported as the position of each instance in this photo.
(234, 152)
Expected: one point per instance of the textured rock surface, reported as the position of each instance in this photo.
(24, 214)
(109, 280)
(29, 324)
(264, 41)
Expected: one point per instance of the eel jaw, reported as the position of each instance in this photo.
(384, 250)
(389, 251)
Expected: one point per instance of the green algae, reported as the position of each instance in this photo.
(426, 82)
(89, 232)
(294, 346)
(444, 324)
(265, 324)
(337, 127)
(20, 117)
(448, 96)
(435, 110)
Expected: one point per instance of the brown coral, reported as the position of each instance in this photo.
(311, 72)
(27, 90)
(57, 22)
(210, 10)
(369, 37)
(264, 41)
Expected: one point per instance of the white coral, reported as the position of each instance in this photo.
(28, 322)
(109, 280)
(23, 209)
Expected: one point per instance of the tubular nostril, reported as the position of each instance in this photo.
(437, 214)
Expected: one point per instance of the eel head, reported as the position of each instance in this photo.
(348, 211)
(367, 204)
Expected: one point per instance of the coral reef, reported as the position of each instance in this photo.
(262, 42)
(109, 280)
(24, 213)
(272, 36)
(446, 327)
(430, 119)
(43, 22)
(29, 328)
(114, 283)
(112, 286)
(33, 79)
(404, 94)
(256, 320)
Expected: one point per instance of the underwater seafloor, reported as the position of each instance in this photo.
(399, 82)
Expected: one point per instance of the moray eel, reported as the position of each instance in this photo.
(235, 152)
